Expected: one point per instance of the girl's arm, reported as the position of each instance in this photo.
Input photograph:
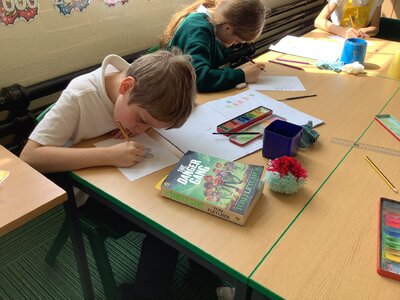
(322, 22)
(48, 159)
(373, 27)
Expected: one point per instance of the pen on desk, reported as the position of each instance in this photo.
(286, 65)
(294, 61)
(253, 62)
(297, 97)
(231, 133)
(121, 128)
(381, 174)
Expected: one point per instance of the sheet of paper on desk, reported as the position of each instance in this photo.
(233, 106)
(196, 133)
(160, 158)
(318, 49)
(277, 83)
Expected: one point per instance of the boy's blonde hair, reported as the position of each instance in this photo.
(247, 17)
(165, 85)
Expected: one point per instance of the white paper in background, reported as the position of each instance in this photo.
(310, 47)
(196, 133)
(342, 39)
(161, 159)
(277, 83)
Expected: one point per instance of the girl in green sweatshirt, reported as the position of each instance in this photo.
(206, 29)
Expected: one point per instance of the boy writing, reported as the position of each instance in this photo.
(157, 90)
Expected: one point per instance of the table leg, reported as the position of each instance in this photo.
(257, 296)
(77, 243)
(242, 292)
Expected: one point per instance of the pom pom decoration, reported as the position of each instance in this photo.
(285, 175)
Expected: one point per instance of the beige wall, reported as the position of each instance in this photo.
(391, 9)
(53, 45)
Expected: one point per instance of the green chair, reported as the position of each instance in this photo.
(98, 223)
(389, 29)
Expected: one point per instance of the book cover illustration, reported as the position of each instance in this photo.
(217, 186)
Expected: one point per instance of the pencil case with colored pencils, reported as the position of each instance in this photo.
(388, 258)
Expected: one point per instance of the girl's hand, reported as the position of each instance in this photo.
(354, 33)
(126, 154)
(252, 71)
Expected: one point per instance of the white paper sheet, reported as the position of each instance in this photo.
(327, 50)
(196, 133)
(277, 83)
(161, 158)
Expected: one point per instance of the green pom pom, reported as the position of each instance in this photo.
(287, 184)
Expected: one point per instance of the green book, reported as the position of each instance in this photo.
(223, 188)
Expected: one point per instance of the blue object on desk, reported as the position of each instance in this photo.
(354, 49)
(281, 138)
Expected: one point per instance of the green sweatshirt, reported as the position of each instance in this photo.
(196, 37)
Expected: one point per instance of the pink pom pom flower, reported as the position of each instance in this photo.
(285, 175)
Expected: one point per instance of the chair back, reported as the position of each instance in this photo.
(389, 29)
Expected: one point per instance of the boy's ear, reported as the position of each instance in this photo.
(126, 84)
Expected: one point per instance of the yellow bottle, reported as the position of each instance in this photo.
(394, 69)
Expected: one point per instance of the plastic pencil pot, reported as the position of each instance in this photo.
(354, 49)
(281, 138)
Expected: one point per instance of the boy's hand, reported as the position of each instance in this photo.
(252, 71)
(127, 154)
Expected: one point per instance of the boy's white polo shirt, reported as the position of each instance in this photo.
(83, 110)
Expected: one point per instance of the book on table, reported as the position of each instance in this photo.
(223, 188)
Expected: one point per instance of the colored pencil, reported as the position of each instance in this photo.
(381, 174)
(351, 21)
(298, 97)
(121, 128)
(231, 133)
(286, 65)
(294, 61)
(253, 62)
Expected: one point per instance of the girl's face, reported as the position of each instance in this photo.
(226, 35)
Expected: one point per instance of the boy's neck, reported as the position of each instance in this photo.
(112, 82)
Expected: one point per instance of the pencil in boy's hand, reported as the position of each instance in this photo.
(121, 128)
(253, 62)
(381, 174)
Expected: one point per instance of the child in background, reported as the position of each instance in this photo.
(206, 28)
(350, 18)
(157, 90)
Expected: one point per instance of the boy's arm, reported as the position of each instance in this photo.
(47, 159)
(373, 27)
(322, 22)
